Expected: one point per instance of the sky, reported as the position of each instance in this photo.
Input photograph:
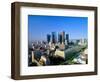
(39, 26)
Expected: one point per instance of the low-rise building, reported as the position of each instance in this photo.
(60, 53)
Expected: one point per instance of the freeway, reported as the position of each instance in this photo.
(73, 52)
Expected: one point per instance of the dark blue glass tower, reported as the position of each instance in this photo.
(48, 38)
(59, 38)
(67, 38)
(54, 37)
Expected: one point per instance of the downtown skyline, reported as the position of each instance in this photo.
(39, 26)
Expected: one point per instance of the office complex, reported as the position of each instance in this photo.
(62, 38)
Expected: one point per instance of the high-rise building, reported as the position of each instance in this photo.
(54, 37)
(48, 38)
(60, 38)
(63, 37)
(67, 38)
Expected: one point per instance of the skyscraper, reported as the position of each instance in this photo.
(67, 38)
(54, 37)
(63, 37)
(48, 38)
(60, 38)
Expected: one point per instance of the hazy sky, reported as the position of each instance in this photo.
(39, 26)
